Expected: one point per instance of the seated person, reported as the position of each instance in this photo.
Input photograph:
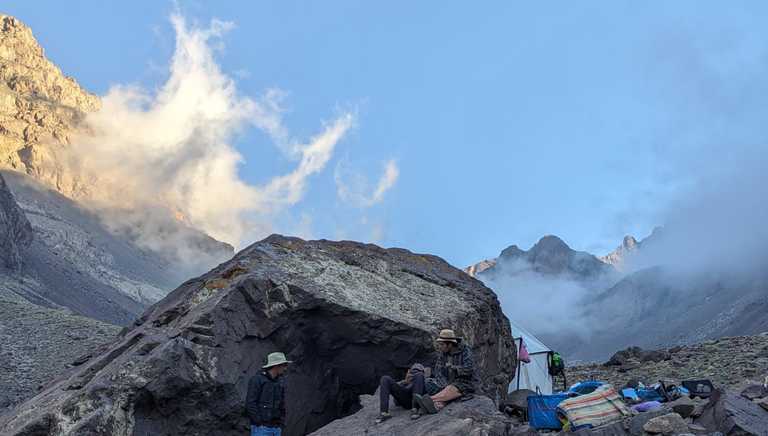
(401, 391)
(454, 374)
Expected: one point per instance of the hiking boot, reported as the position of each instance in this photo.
(383, 417)
(425, 403)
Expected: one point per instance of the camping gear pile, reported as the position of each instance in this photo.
(592, 404)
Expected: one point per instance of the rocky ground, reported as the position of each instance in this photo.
(38, 343)
(728, 362)
(739, 408)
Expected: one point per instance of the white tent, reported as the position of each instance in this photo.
(535, 375)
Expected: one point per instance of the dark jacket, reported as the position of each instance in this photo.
(457, 368)
(265, 401)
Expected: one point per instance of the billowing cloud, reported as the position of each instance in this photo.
(170, 152)
(353, 187)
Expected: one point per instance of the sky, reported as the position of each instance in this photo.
(474, 127)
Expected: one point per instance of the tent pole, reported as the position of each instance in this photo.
(519, 350)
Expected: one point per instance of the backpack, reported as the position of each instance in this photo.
(556, 363)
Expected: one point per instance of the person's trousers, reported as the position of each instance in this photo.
(261, 430)
(403, 395)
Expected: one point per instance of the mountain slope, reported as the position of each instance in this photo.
(38, 343)
(15, 230)
(74, 261)
(640, 302)
(655, 308)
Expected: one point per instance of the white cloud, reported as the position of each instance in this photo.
(171, 152)
(353, 187)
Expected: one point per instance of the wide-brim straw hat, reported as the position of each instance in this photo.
(275, 359)
(447, 335)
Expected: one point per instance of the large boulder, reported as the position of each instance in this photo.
(345, 312)
(733, 415)
(15, 230)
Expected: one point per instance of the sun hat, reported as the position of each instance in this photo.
(447, 335)
(275, 359)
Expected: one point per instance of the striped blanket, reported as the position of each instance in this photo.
(597, 408)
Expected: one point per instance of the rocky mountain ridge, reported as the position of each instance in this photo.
(40, 109)
(550, 256)
(618, 256)
(41, 112)
(639, 300)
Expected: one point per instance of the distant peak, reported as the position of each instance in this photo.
(550, 243)
(512, 251)
(629, 242)
(618, 256)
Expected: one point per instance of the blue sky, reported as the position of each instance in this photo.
(507, 121)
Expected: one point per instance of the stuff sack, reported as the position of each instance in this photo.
(594, 409)
(651, 394)
(542, 411)
(699, 388)
(630, 395)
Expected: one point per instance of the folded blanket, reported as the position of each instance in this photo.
(597, 408)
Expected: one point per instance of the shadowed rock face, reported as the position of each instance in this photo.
(344, 312)
(15, 230)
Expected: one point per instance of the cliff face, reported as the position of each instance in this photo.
(40, 108)
(15, 230)
(346, 313)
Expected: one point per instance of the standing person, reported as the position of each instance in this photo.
(402, 391)
(454, 374)
(265, 401)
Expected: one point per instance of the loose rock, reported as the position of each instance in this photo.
(668, 424)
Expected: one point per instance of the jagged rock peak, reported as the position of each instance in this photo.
(550, 244)
(618, 257)
(629, 242)
(344, 312)
(474, 270)
(15, 230)
(41, 109)
(27, 72)
(511, 252)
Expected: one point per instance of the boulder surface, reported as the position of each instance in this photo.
(477, 416)
(345, 313)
